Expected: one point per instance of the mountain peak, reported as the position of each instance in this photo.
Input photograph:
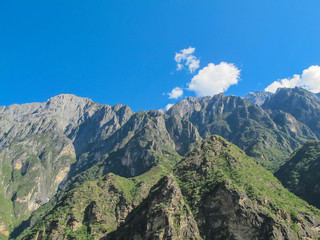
(300, 103)
(68, 98)
(257, 97)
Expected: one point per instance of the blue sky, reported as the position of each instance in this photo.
(124, 51)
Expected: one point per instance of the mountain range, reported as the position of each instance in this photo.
(72, 168)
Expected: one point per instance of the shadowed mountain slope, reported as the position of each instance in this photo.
(301, 174)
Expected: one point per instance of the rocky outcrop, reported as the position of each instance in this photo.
(300, 103)
(39, 142)
(32, 170)
(93, 209)
(247, 125)
(163, 215)
(258, 97)
(232, 197)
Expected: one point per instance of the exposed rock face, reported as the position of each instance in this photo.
(49, 149)
(301, 174)
(300, 103)
(38, 144)
(215, 192)
(94, 209)
(221, 185)
(163, 215)
(258, 97)
(247, 125)
(44, 145)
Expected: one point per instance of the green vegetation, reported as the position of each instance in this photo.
(301, 173)
(121, 162)
(107, 193)
(22, 164)
(219, 162)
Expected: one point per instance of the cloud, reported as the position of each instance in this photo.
(214, 79)
(186, 58)
(169, 106)
(309, 79)
(175, 93)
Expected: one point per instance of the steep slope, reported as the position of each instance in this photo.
(246, 125)
(48, 146)
(92, 210)
(213, 193)
(147, 139)
(107, 141)
(48, 149)
(232, 197)
(301, 174)
(32, 170)
(163, 215)
(300, 103)
(38, 146)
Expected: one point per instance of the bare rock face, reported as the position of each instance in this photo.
(40, 141)
(258, 97)
(247, 125)
(48, 147)
(300, 103)
(163, 215)
(57, 152)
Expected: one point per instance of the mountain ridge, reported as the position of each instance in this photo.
(85, 141)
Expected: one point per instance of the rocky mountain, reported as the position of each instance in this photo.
(40, 142)
(215, 192)
(54, 145)
(268, 136)
(53, 154)
(301, 104)
(301, 174)
(258, 97)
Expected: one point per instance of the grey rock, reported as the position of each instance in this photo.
(258, 97)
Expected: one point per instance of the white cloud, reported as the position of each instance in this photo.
(175, 93)
(309, 79)
(214, 79)
(186, 58)
(169, 106)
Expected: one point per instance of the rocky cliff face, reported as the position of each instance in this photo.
(258, 97)
(300, 103)
(39, 142)
(53, 145)
(162, 215)
(35, 153)
(49, 149)
(260, 133)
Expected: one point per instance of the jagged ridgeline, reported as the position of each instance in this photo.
(52, 151)
(215, 192)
